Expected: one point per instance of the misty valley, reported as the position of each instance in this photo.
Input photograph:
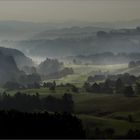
(76, 82)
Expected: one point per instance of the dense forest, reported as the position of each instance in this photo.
(15, 124)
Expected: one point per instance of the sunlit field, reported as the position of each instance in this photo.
(81, 72)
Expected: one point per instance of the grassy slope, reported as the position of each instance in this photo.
(106, 103)
(101, 109)
(97, 109)
(81, 72)
(121, 127)
(133, 71)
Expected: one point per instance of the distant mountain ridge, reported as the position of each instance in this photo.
(71, 32)
(55, 40)
(106, 58)
(76, 41)
(16, 30)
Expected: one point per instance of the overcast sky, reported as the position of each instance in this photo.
(69, 10)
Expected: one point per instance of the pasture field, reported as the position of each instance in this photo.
(96, 110)
(101, 110)
(108, 111)
(81, 72)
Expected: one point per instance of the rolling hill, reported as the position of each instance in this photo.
(19, 57)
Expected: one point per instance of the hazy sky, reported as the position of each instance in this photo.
(67, 10)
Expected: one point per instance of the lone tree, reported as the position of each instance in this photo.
(128, 91)
(119, 86)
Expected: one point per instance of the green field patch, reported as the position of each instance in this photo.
(106, 103)
(81, 73)
(42, 91)
(121, 127)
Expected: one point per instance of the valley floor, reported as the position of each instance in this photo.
(97, 110)
(101, 110)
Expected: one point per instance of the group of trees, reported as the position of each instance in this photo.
(26, 102)
(126, 78)
(24, 81)
(105, 58)
(11, 85)
(126, 84)
(49, 66)
(29, 79)
(53, 69)
(98, 88)
(59, 74)
(68, 86)
(132, 134)
(133, 64)
(29, 70)
(16, 124)
(103, 134)
(65, 104)
(50, 85)
(109, 133)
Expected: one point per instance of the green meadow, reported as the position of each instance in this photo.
(81, 72)
(96, 110)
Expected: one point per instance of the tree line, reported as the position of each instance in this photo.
(11, 85)
(28, 103)
(110, 133)
(133, 64)
(123, 84)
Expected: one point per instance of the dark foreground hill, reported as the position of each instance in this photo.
(39, 125)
